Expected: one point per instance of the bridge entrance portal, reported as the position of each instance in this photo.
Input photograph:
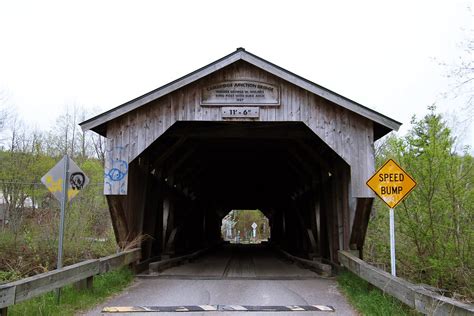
(240, 133)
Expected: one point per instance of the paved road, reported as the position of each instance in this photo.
(233, 276)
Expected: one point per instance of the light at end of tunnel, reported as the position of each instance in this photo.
(245, 227)
(329, 174)
(166, 179)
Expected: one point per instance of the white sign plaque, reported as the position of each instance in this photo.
(240, 112)
(240, 92)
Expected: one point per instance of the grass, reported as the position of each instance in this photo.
(370, 301)
(73, 301)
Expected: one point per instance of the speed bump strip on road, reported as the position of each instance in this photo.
(215, 308)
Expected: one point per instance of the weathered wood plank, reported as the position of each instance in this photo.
(424, 301)
(24, 289)
(118, 260)
(430, 303)
(360, 222)
(351, 265)
(150, 126)
(142, 126)
(45, 282)
(130, 135)
(161, 265)
(394, 286)
(118, 216)
(158, 109)
(7, 295)
(319, 267)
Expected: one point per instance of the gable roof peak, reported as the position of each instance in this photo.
(98, 123)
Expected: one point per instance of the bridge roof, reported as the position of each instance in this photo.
(384, 124)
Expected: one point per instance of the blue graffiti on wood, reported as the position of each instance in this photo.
(117, 169)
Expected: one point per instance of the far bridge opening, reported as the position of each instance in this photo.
(245, 227)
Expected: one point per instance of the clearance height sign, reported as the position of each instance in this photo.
(391, 183)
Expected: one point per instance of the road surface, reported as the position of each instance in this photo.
(239, 275)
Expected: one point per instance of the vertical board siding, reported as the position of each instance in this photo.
(348, 134)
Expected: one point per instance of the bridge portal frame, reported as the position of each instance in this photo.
(142, 196)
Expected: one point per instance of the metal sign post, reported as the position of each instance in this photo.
(392, 184)
(392, 242)
(254, 230)
(64, 181)
(61, 219)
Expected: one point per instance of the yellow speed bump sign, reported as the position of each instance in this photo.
(391, 183)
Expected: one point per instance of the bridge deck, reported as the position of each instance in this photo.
(239, 261)
(234, 276)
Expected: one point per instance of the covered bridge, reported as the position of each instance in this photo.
(240, 133)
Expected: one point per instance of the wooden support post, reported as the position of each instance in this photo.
(337, 194)
(204, 233)
(83, 284)
(152, 209)
(361, 221)
(166, 212)
(317, 220)
(283, 224)
(168, 225)
(345, 207)
(330, 214)
(170, 243)
(307, 233)
(134, 267)
(136, 196)
(324, 237)
(119, 220)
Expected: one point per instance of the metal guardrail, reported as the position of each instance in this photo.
(24, 289)
(415, 296)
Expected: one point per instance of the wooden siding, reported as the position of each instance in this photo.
(348, 134)
(97, 123)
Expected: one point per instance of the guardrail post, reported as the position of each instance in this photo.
(134, 265)
(86, 283)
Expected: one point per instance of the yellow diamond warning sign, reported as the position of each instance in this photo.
(391, 183)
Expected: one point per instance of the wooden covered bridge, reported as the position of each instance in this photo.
(240, 133)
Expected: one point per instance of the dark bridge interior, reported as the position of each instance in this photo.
(182, 186)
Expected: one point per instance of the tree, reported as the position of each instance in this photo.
(20, 168)
(68, 138)
(3, 110)
(435, 223)
(461, 72)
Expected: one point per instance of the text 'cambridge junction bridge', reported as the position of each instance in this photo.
(240, 133)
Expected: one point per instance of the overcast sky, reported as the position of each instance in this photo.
(100, 54)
